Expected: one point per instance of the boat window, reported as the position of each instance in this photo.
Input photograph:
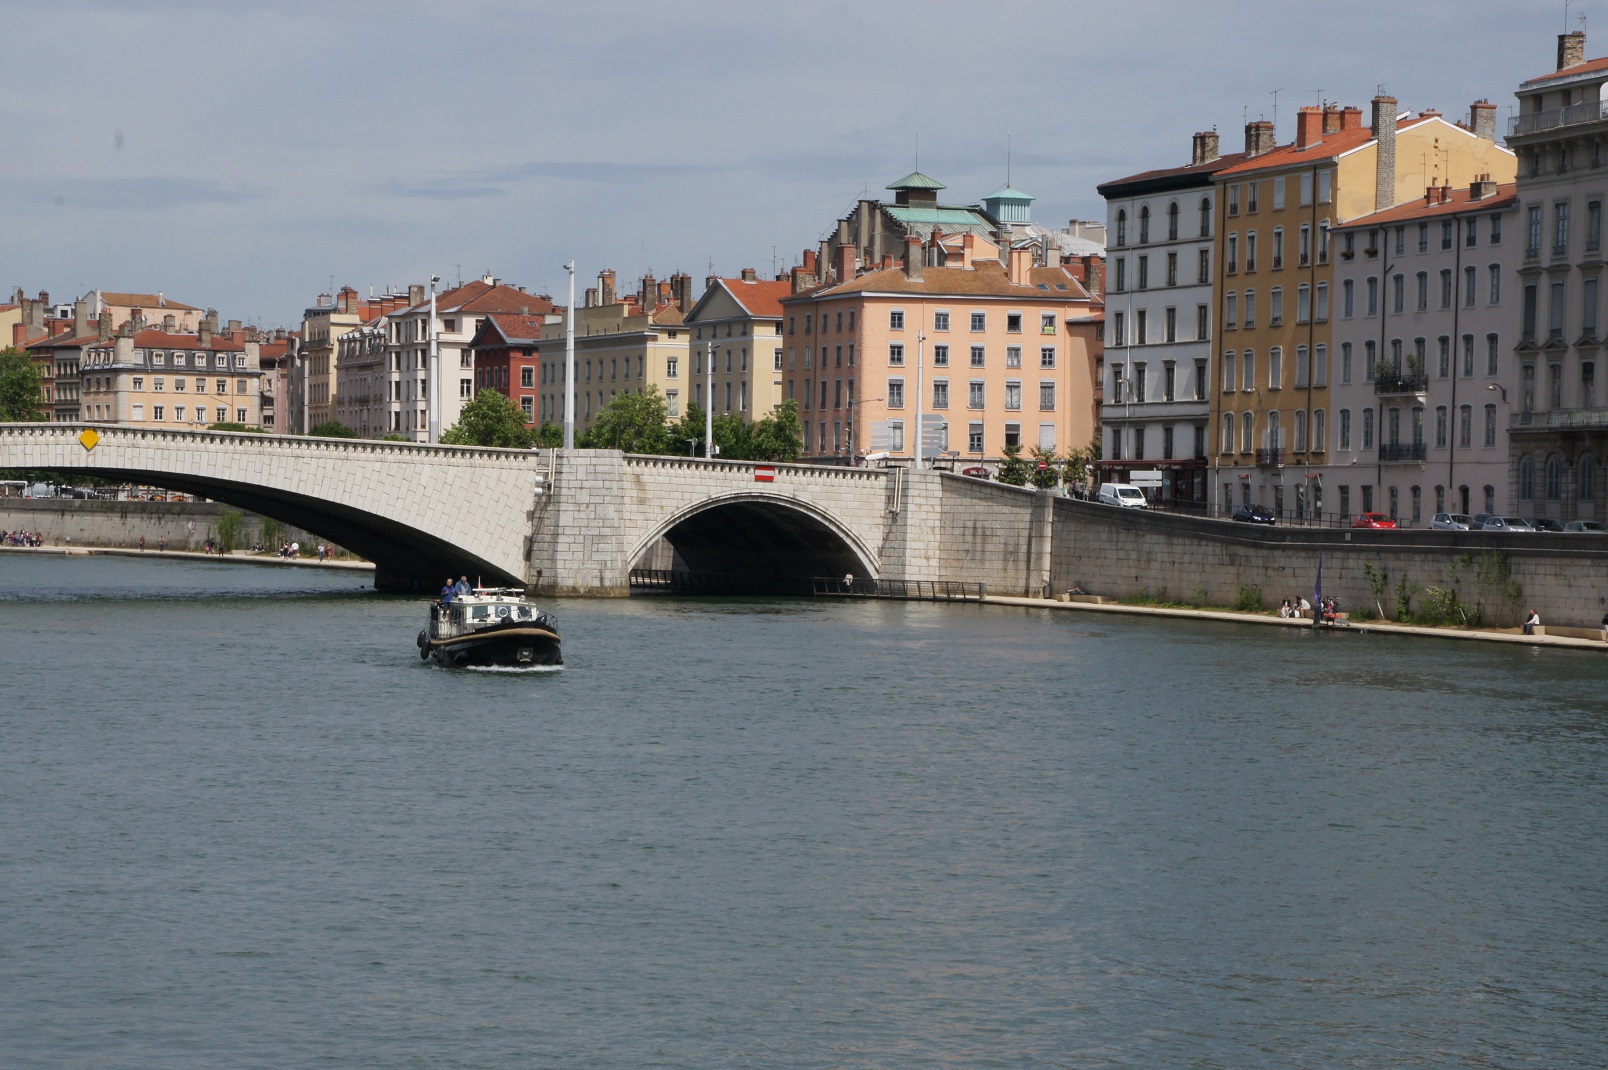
(502, 611)
(523, 612)
(477, 613)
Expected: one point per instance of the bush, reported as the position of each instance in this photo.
(1249, 600)
(230, 525)
(1442, 608)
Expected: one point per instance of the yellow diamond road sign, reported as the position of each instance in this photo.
(89, 438)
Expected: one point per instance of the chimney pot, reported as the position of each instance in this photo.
(1482, 119)
(1258, 137)
(1571, 49)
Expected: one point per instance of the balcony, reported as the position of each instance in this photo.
(1581, 419)
(1269, 458)
(1401, 452)
(1388, 382)
(1590, 111)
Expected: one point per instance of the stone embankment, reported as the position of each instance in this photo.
(181, 525)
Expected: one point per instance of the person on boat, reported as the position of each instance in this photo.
(448, 591)
(462, 586)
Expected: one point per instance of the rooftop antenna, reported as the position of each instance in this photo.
(1007, 159)
(1276, 93)
(457, 270)
(1567, 4)
(918, 150)
(774, 261)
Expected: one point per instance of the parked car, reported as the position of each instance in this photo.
(1254, 514)
(1451, 522)
(976, 471)
(1372, 520)
(1582, 525)
(1507, 523)
(1123, 494)
(1545, 523)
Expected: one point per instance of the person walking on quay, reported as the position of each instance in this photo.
(142, 544)
(161, 544)
(1605, 627)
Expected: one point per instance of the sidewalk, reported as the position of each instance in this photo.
(1489, 635)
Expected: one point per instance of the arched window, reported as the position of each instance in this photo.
(1300, 430)
(1247, 431)
(1554, 478)
(1526, 480)
(1587, 469)
(1144, 224)
(1172, 221)
(1122, 226)
(1228, 432)
(1205, 217)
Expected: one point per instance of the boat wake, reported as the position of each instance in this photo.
(520, 670)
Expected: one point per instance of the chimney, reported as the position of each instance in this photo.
(1482, 119)
(1481, 188)
(1258, 137)
(1018, 262)
(348, 300)
(591, 297)
(1571, 49)
(104, 325)
(681, 290)
(1350, 118)
(1430, 113)
(137, 318)
(750, 275)
(809, 261)
(1384, 132)
(204, 334)
(169, 324)
(211, 319)
(650, 291)
(801, 279)
(1205, 148)
(1331, 120)
(1309, 123)
(709, 282)
(663, 290)
(161, 299)
(80, 317)
(912, 260)
(844, 265)
(416, 294)
(605, 286)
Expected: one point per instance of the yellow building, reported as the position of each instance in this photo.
(737, 324)
(152, 378)
(1273, 288)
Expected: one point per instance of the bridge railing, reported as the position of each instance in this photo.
(746, 468)
(906, 590)
(718, 583)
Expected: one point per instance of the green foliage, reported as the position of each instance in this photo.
(1198, 596)
(332, 429)
(1249, 599)
(779, 436)
(273, 533)
(1378, 580)
(630, 422)
(1441, 608)
(22, 389)
(1046, 477)
(230, 527)
(1497, 585)
(392, 436)
(1075, 468)
(686, 435)
(549, 436)
(490, 419)
(1405, 590)
(1014, 469)
(232, 426)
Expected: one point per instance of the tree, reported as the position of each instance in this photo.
(229, 425)
(687, 433)
(332, 429)
(630, 422)
(1045, 469)
(778, 437)
(1076, 467)
(1014, 468)
(732, 435)
(549, 436)
(22, 390)
(491, 419)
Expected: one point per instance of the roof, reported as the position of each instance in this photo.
(1165, 178)
(63, 341)
(1330, 147)
(987, 279)
(162, 340)
(916, 180)
(1591, 66)
(483, 296)
(1461, 201)
(513, 328)
(921, 220)
(1007, 193)
(760, 297)
(145, 301)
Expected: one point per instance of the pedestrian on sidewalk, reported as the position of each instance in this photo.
(142, 544)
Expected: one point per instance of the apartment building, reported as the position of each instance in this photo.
(623, 343)
(1423, 331)
(1273, 287)
(148, 377)
(323, 326)
(1558, 438)
(507, 357)
(991, 349)
(1155, 413)
(737, 344)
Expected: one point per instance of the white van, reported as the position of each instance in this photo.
(1121, 494)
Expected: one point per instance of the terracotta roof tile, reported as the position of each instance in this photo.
(163, 340)
(759, 298)
(1590, 66)
(1331, 146)
(987, 279)
(63, 341)
(1461, 200)
(146, 301)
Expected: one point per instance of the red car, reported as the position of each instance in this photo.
(1373, 520)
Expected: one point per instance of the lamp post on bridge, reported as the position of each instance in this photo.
(569, 361)
(432, 381)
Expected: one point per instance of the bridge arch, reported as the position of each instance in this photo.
(758, 536)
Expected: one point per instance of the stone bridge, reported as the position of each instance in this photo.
(576, 522)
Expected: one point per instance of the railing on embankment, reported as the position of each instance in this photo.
(714, 583)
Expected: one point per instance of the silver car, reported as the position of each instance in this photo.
(1582, 525)
(1508, 523)
(1451, 522)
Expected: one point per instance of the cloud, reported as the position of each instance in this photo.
(502, 181)
(152, 194)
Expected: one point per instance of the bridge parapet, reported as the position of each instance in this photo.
(718, 468)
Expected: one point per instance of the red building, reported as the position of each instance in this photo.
(507, 354)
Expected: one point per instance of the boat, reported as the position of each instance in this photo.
(490, 626)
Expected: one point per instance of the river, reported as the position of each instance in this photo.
(241, 824)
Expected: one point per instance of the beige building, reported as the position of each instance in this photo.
(623, 344)
(175, 381)
(323, 326)
(993, 350)
(737, 325)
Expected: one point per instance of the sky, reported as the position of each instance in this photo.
(249, 155)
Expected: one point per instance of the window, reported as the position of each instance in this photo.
(1250, 251)
(1401, 241)
(974, 394)
(1200, 380)
(1275, 365)
(1301, 367)
(1446, 288)
(1303, 303)
(1446, 234)
(139, 383)
(1247, 431)
(1248, 379)
(1046, 356)
(1228, 432)
(1586, 469)
(940, 393)
(1348, 299)
(1423, 237)
(1230, 312)
(1278, 248)
(1144, 273)
(895, 320)
(895, 355)
(1144, 225)
(895, 436)
(940, 321)
(1305, 248)
(1470, 286)
(1527, 480)
(1555, 309)
(1320, 365)
(1229, 380)
(1250, 308)
(1046, 323)
(1367, 429)
(1141, 324)
(1560, 228)
(157, 412)
(1013, 321)
(1278, 194)
(1443, 365)
(1373, 296)
(1398, 293)
(1205, 218)
(1554, 478)
(1172, 269)
(1423, 291)
(1321, 314)
(974, 438)
(139, 411)
(1013, 356)
(1233, 253)
(1588, 307)
(1345, 429)
(527, 377)
(979, 321)
(1203, 267)
(1046, 396)
(1442, 418)
(1490, 425)
(1532, 244)
(1496, 230)
(1172, 221)
(1122, 226)
(1119, 280)
(1233, 200)
(976, 356)
(1013, 394)
(940, 356)
(895, 394)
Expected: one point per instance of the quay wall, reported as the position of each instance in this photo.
(1127, 553)
(88, 522)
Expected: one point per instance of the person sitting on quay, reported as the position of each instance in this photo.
(1532, 622)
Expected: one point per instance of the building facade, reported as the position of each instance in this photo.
(737, 344)
(1274, 283)
(508, 357)
(1559, 434)
(1423, 331)
(174, 381)
(1155, 416)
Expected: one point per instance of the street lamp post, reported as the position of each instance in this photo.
(921, 337)
(432, 380)
(709, 409)
(569, 362)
